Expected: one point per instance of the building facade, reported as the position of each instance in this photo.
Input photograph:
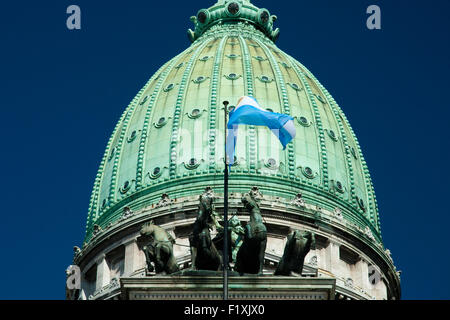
(168, 147)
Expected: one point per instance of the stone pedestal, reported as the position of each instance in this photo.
(240, 287)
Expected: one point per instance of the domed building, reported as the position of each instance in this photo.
(168, 146)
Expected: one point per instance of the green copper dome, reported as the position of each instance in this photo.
(169, 140)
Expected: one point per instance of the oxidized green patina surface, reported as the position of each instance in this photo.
(170, 138)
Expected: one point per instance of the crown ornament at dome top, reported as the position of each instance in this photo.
(232, 12)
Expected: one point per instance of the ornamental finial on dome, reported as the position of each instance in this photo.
(232, 11)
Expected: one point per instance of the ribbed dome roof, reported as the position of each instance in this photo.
(170, 138)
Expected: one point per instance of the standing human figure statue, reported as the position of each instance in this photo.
(204, 254)
(158, 248)
(250, 257)
(297, 247)
(235, 236)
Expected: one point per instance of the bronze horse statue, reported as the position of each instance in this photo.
(297, 247)
(250, 257)
(158, 248)
(203, 251)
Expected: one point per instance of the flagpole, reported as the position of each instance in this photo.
(225, 211)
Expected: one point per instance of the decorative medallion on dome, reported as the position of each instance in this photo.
(303, 121)
(169, 87)
(179, 65)
(161, 122)
(319, 98)
(264, 79)
(284, 64)
(111, 155)
(232, 76)
(205, 58)
(308, 172)
(339, 187)
(259, 58)
(132, 137)
(200, 79)
(361, 203)
(332, 135)
(144, 100)
(294, 86)
(353, 152)
(232, 56)
(271, 163)
(125, 188)
(192, 164)
(155, 173)
(195, 113)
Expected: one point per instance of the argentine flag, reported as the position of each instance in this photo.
(249, 112)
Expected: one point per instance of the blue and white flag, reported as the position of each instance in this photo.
(249, 112)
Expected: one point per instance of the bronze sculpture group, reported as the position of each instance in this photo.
(250, 257)
(248, 244)
(204, 253)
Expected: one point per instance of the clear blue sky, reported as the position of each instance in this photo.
(63, 91)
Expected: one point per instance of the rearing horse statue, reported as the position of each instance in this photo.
(203, 252)
(250, 257)
(297, 247)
